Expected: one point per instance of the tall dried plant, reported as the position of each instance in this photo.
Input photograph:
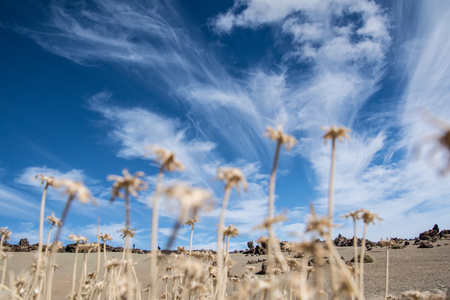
(333, 133)
(73, 190)
(232, 177)
(168, 163)
(275, 134)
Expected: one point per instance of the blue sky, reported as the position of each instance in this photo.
(86, 85)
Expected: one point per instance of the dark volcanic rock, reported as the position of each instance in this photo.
(367, 259)
(426, 244)
(24, 243)
(250, 245)
(263, 269)
(430, 234)
(70, 248)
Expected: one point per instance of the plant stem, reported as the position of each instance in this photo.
(330, 217)
(271, 241)
(41, 237)
(361, 260)
(190, 240)
(98, 246)
(55, 244)
(220, 264)
(154, 237)
(74, 272)
(387, 272)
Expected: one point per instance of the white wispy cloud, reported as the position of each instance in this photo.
(341, 60)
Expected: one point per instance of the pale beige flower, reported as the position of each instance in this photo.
(334, 133)
(193, 269)
(232, 177)
(231, 231)
(52, 220)
(192, 221)
(441, 141)
(125, 232)
(355, 215)
(5, 234)
(270, 221)
(105, 237)
(263, 240)
(190, 198)
(112, 263)
(387, 242)
(369, 217)
(88, 246)
(74, 189)
(43, 178)
(132, 184)
(277, 134)
(78, 238)
(182, 250)
(165, 158)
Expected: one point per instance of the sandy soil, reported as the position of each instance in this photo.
(410, 269)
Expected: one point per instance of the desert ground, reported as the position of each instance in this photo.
(410, 268)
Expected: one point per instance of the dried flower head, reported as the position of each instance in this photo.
(334, 133)
(193, 269)
(231, 231)
(78, 238)
(52, 220)
(262, 240)
(320, 225)
(369, 217)
(88, 246)
(105, 237)
(74, 189)
(232, 177)
(182, 250)
(192, 199)
(43, 178)
(5, 234)
(387, 242)
(132, 184)
(192, 221)
(125, 232)
(277, 134)
(355, 215)
(441, 141)
(112, 263)
(268, 222)
(165, 158)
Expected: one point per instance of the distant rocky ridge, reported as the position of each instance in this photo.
(424, 240)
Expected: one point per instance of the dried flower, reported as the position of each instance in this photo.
(74, 189)
(355, 215)
(125, 232)
(190, 198)
(5, 233)
(232, 177)
(192, 221)
(43, 178)
(52, 220)
(277, 134)
(132, 184)
(105, 237)
(182, 250)
(78, 238)
(442, 140)
(270, 221)
(231, 231)
(166, 158)
(369, 217)
(334, 133)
